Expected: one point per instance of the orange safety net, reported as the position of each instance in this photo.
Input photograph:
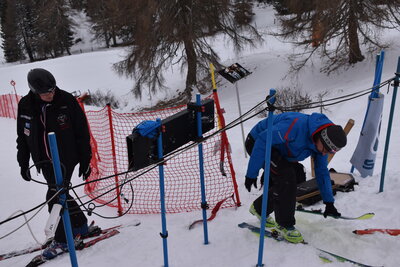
(9, 105)
(109, 130)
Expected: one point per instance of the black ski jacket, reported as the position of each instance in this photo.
(64, 117)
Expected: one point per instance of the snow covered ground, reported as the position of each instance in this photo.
(229, 245)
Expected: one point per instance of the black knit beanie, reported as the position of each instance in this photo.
(333, 138)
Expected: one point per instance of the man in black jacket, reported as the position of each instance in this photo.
(45, 109)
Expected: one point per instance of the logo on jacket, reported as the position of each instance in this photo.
(27, 130)
(63, 121)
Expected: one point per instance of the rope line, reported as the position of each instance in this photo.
(171, 155)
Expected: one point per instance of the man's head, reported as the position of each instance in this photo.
(331, 139)
(42, 83)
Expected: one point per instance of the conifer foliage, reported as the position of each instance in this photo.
(37, 29)
(340, 31)
(169, 32)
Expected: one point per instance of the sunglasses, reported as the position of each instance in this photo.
(50, 91)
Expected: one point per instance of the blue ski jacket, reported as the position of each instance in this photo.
(292, 136)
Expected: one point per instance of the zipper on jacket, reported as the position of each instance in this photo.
(43, 120)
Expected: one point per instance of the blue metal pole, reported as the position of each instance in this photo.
(164, 233)
(378, 74)
(201, 167)
(272, 99)
(389, 130)
(63, 197)
(377, 80)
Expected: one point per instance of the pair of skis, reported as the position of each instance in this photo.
(38, 247)
(100, 235)
(39, 259)
(323, 254)
(326, 256)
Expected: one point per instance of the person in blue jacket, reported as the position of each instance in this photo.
(295, 137)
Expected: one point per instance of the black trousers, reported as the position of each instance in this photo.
(284, 176)
(77, 217)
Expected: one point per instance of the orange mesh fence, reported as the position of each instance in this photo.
(181, 172)
(9, 105)
(109, 130)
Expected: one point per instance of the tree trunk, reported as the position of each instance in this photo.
(355, 54)
(27, 45)
(191, 77)
(317, 29)
(106, 38)
(113, 35)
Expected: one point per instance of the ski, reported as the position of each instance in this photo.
(39, 259)
(22, 251)
(38, 247)
(323, 254)
(371, 231)
(365, 216)
(256, 230)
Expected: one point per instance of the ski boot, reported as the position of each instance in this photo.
(54, 249)
(270, 223)
(87, 230)
(291, 234)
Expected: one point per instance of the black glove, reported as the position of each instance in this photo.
(330, 210)
(84, 171)
(249, 182)
(26, 174)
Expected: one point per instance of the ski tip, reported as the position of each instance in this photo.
(135, 223)
(36, 261)
(367, 216)
(242, 225)
(193, 224)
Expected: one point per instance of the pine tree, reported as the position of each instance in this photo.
(36, 28)
(337, 29)
(27, 30)
(110, 19)
(11, 44)
(54, 26)
(175, 32)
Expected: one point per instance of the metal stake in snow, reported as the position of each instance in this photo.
(201, 169)
(271, 101)
(63, 198)
(389, 129)
(164, 233)
(233, 74)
